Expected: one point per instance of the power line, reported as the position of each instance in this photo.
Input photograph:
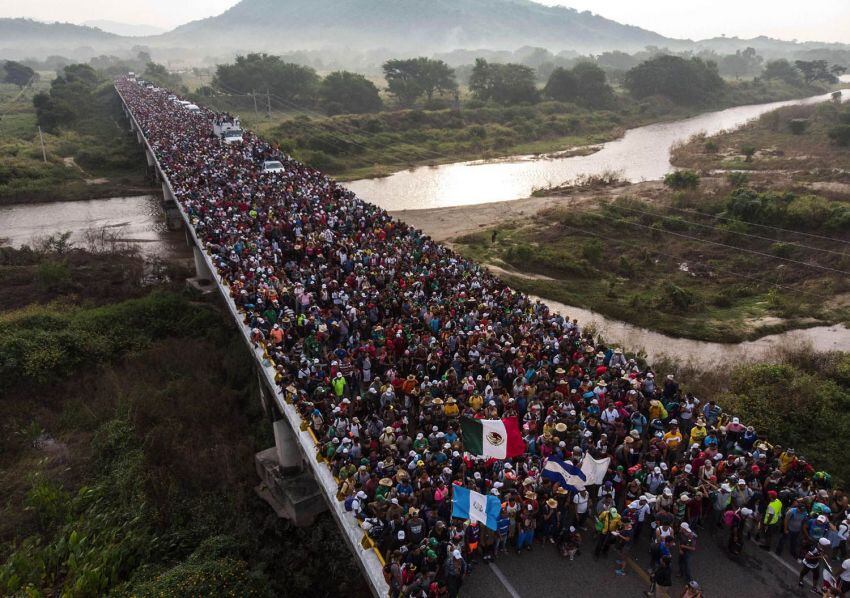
(676, 257)
(753, 251)
(784, 230)
(794, 243)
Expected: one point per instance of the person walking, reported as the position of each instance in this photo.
(662, 580)
(812, 561)
(687, 546)
(455, 568)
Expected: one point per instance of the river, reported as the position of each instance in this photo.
(137, 220)
(642, 153)
(702, 353)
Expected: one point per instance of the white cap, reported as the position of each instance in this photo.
(456, 554)
(824, 542)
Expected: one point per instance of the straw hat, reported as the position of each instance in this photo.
(561, 427)
(552, 503)
(530, 495)
(385, 482)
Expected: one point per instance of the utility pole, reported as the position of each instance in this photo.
(254, 95)
(269, 102)
(41, 137)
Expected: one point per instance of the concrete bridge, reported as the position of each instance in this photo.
(294, 481)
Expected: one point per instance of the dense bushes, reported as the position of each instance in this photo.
(682, 179)
(788, 209)
(803, 402)
(41, 344)
(160, 442)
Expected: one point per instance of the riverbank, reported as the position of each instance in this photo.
(352, 147)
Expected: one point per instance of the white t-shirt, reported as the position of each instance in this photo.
(581, 503)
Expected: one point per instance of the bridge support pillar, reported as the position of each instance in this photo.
(286, 448)
(292, 492)
(202, 270)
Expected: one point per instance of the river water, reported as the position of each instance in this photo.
(703, 353)
(642, 153)
(137, 220)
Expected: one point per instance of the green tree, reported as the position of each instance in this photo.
(503, 83)
(71, 97)
(816, 70)
(593, 88)
(343, 92)
(18, 74)
(157, 73)
(409, 79)
(262, 72)
(783, 71)
(685, 81)
(741, 63)
(562, 86)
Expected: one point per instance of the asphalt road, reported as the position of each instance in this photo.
(543, 572)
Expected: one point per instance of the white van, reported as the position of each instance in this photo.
(273, 166)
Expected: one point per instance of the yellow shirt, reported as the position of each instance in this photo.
(672, 439)
(698, 434)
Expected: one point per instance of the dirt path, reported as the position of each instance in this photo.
(444, 224)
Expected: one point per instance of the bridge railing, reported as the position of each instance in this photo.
(368, 558)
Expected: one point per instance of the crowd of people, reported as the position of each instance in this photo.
(388, 338)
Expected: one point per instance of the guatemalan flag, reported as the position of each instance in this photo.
(497, 438)
(565, 473)
(469, 504)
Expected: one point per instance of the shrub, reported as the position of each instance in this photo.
(592, 251)
(840, 135)
(738, 179)
(682, 179)
(53, 276)
(798, 126)
(782, 249)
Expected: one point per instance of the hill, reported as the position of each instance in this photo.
(412, 25)
(127, 29)
(22, 38)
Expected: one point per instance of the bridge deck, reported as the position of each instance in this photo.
(368, 558)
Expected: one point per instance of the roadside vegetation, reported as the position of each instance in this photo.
(129, 423)
(798, 400)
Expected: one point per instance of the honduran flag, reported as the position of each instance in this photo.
(565, 473)
(472, 505)
(497, 438)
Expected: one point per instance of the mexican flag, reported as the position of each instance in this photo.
(496, 438)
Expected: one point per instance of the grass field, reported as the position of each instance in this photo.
(94, 158)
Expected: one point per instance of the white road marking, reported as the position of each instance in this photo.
(783, 562)
(508, 586)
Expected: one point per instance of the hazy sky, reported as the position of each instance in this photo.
(821, 20)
